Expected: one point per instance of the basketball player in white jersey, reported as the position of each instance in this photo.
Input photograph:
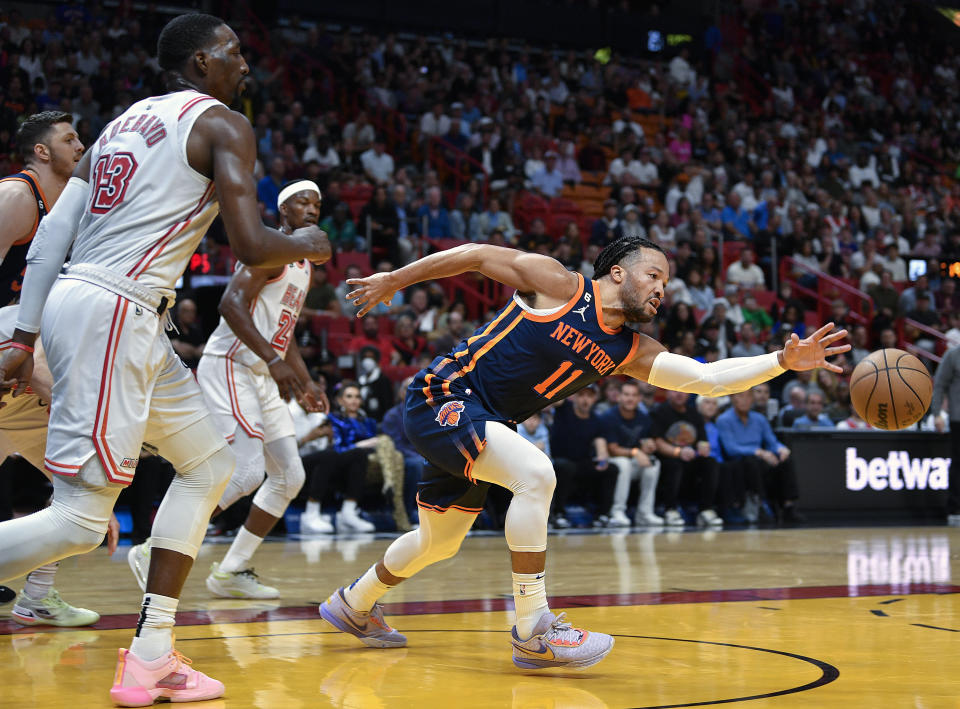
(250, 365)
(135, 210)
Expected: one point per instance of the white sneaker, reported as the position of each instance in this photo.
(673, 518)
(353, 522)
(648, 520)
(315, 524)
(709, 518)
(238, 584)
(618, 519)
(139, 559)
(51, 610)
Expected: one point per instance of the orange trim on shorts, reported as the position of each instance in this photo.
(55, 468)
(563, 310)
(113, 471)
(599, 309)
(441, 510)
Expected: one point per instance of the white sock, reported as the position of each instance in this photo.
(530, 599)
(154, 636)
(349, 507)
(366, 590)
(313, 509)
(241, 551)
(40, 581)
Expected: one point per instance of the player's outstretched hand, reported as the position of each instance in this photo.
(371, 291)
(812, 352)
(314, 399)
(287, 380)
(16, 368)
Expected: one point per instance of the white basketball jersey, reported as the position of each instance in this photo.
(148, 208)
(275, 311)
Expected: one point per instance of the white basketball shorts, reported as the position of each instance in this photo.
(239, 396)
(117, 380)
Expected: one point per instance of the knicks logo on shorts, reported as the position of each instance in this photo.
(449, 413)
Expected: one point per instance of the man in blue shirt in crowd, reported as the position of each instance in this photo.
(762, 461)
(814, 416)
(736, 219)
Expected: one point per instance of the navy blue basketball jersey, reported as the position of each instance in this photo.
(524, 359)
(15, 262)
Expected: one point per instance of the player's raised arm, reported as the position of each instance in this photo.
(528, 273)
(653, 363)
(222, 146)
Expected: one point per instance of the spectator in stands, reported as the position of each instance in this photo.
(765, 463)
(626, 429)
(796, 398)
(454, 330)
(860, 344)
(359, 132)
(189, 339)
(377, 164)
(537, 239)
(369, 335)
(548, 181)
(647, 174)
(378, 220)
(744, 272)
(888, 338)
(754, 314)
(662, 233)
(322, 297)
(748, 345)
(813, 416)
(580, 457)
(631, 225)
(908, 297)
(947, 298)
(346, 306)
(764, 403)
(313, 432)
(406, 343)
(886, 298)
(700, 293)
(924, 315)
(493, 217)
(953, 332)
(434, 123)
(464, 221)
(341, 229)
(607, 228)
(684, 452)
(376, 391)
(619, 171)
(269, 186)
(735, 219)
(893, 263)
(433, 219)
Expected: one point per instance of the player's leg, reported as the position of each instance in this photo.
(39, 602)
(234, 577)
(512, 462)
(151, 667)
(355, 610)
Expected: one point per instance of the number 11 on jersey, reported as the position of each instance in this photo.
(543, 387)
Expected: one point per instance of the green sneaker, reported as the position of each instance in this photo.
(51, 610)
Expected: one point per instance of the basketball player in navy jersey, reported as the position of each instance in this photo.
(558, 334)
(50, 149)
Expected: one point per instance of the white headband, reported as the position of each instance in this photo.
(301, 186)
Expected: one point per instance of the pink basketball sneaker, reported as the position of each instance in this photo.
(139, 683)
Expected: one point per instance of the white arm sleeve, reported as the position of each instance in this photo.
(48, 252)
(727, 376)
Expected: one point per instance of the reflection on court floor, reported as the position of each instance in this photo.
(808, 618)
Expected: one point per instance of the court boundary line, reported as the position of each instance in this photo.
(480, 605)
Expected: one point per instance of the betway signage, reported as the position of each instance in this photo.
(898, 471)
(871, 471)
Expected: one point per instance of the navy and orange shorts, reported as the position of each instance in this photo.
(447, 426)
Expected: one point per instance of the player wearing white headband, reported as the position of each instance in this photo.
(250, 365)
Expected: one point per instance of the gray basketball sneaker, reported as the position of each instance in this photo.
(369, 626)
(556, 643)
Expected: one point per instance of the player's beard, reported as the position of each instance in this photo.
(635, 306)
(61, 162)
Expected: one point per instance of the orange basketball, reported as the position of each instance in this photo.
(891, 389)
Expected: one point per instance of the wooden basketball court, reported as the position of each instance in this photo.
(821, 618)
